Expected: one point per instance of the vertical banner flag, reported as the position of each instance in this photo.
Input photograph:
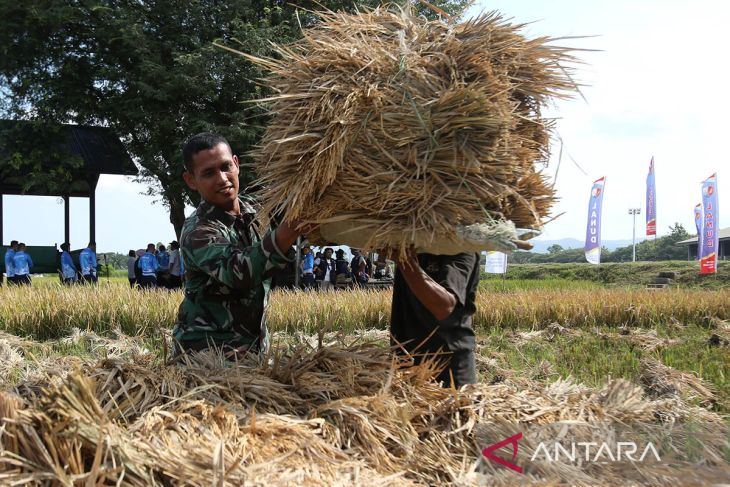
(496, 263)
(593, 231)
(709, 236)
(650, 201)
(698, 226)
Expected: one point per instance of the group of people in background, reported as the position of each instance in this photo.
(156, 267)
(19, 265)
(87, 273)
(150, 268)
(323, 272)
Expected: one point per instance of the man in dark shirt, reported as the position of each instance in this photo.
(434, 299)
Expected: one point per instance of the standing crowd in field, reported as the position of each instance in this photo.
(19, 265)
(156, 267)
(321, 271)
(146, 269)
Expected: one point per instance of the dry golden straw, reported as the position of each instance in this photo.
(409, 127)
(329, 410)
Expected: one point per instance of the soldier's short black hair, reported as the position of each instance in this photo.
(65, 246)
(13, 242)
(200, 142)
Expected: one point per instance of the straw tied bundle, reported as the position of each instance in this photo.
(392, 131)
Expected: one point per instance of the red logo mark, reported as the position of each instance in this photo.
(488, 452)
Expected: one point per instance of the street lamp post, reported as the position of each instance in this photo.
(634, 212)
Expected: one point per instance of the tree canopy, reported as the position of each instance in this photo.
(149, 70)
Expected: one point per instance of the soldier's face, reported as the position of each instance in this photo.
(215, 176)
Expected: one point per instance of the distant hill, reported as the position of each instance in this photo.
(541, 246)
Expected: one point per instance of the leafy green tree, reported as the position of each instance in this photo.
(149, 70)
(565, 255)
(555, 249)
(31, 158)
(521, 257)
(667, 248)
(662, 248)
(113, 260)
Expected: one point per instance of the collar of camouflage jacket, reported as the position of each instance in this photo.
(212, 212)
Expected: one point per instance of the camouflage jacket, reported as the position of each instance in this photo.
(228, 269)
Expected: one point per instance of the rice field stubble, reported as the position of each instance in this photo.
(606, 332)
(540, 346)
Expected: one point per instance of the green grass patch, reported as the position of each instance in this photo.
(620, 274)
(513, 285)
(593, 359)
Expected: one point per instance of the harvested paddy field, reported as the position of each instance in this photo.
(90, 397)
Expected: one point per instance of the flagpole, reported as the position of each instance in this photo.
(560, 158)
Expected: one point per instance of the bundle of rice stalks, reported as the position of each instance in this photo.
(10, 357)
(117, 346)
(389, 130)
(647, 340)
(660, 380)
(721, 336)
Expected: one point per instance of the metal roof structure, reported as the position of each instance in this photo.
(723, 234)
(98, 148)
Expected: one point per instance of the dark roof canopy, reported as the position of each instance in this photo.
(98, 147)
(722, 234)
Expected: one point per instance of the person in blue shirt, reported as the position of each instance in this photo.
(307, 267)
(22, 264)
(182, 269)
(68, 268)
(163, 259)
(10, 263)
(87, 259)
(149, 265)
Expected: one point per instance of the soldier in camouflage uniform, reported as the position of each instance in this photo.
(228, 265)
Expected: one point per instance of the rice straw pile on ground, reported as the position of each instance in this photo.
(411, 127)
(320, 411)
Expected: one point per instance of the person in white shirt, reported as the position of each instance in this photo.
(131, 260)
(175, 279)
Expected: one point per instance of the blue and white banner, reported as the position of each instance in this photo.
(496, 263)
(593, 231)
(651, 201)
(709, 237)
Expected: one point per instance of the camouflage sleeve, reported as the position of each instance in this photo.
(207, 249)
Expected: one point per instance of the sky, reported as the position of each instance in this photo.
(654, 88)
(655, 79)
